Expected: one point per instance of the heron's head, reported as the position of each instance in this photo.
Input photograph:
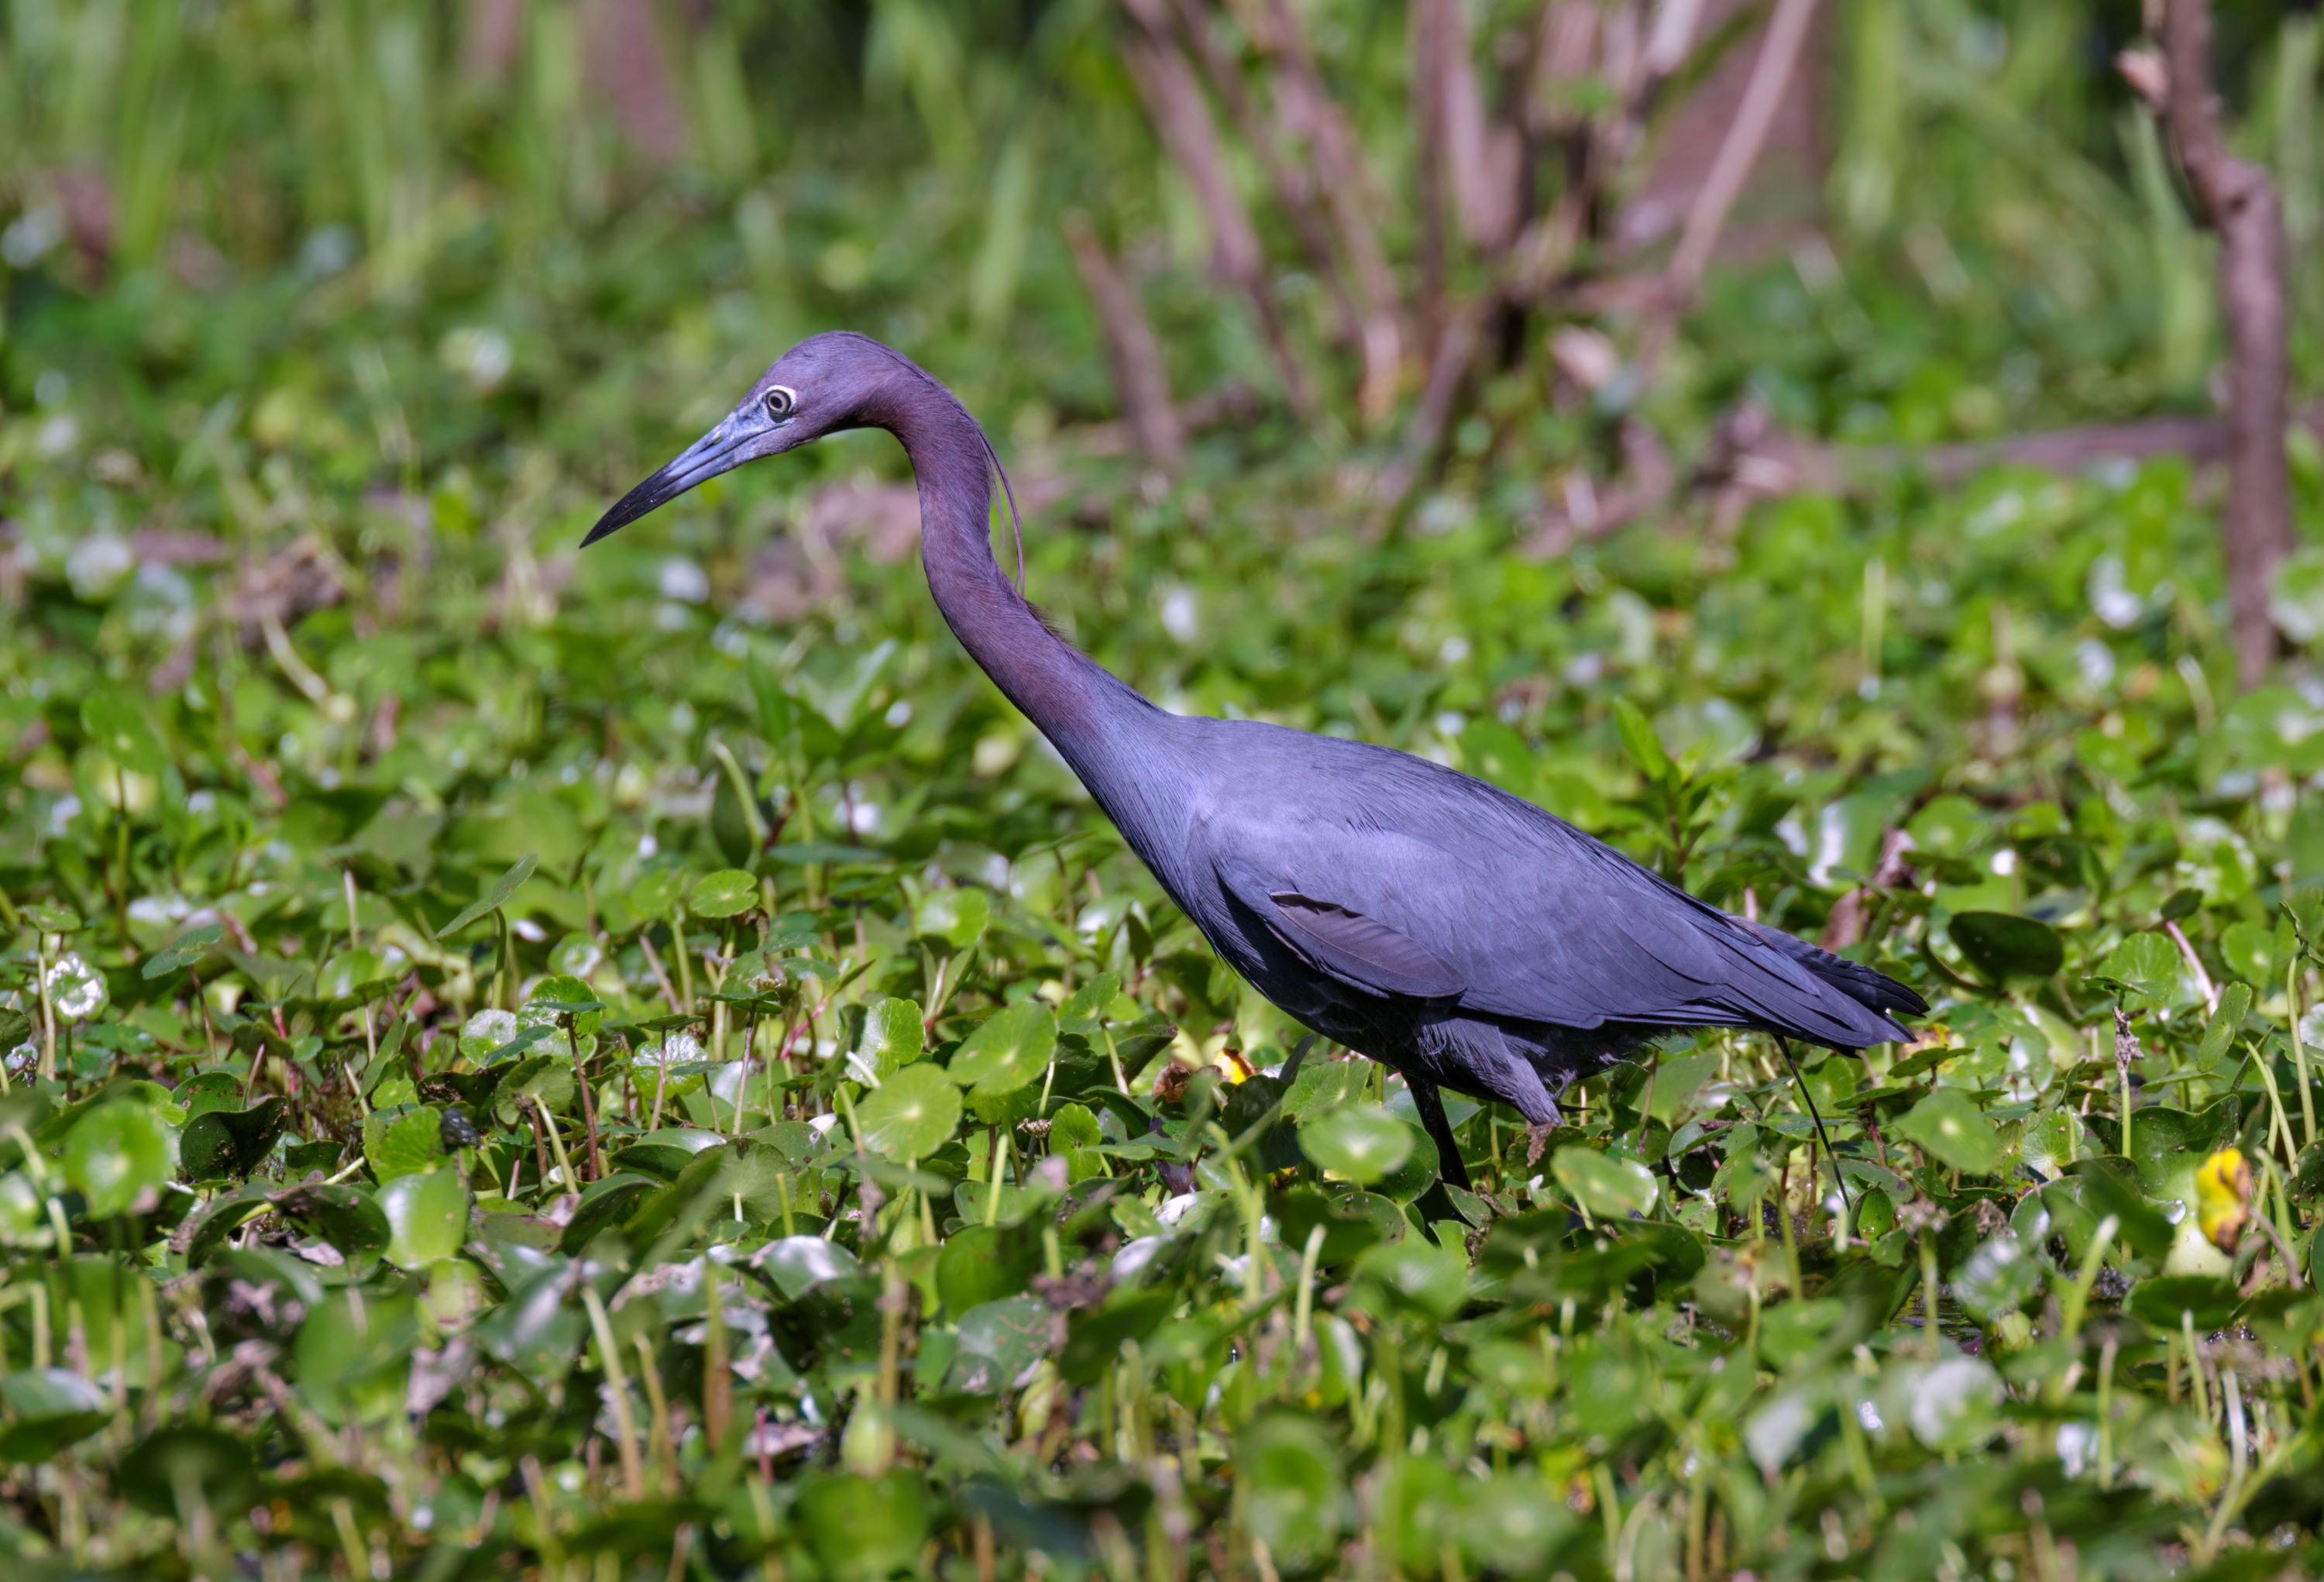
(824, 383)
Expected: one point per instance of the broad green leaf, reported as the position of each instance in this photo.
(1297, 1500)
(2003, 946)
(1357, 1143)
(911, 1115)
(225, 1144)
(1952, 1131)
(2147, 964)
(181, 952)
(2306, 908)
(958, 916)
(985, 1264)
(118, 1152)
(2225, 1024)
(1640, 740)
(860, 1526)
(1417, 1273)
(1608, 1188)
(403, 1144)
(892, 1037)
(350, 1220)
(999, 1340)
(492, 900)
(426, 1216)
(46, 1409)
(655, 892)
(555, 1001)
(1009, 1050)
(1999, 1277)
(486, 1030)
(118, 726)
(722, 894)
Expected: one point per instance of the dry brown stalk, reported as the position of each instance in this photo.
(1175, 101)
(2236, 200)
(1130, 349)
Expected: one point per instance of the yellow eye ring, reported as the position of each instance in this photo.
(781, 401)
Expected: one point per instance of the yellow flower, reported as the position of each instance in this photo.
(2223, 1189)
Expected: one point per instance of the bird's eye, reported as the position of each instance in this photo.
(782, 399)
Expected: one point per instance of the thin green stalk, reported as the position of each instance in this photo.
(677, 949)
(2299, 1048)
(992, 1180)
(48, 1009)
(572, 1182)
(2278, 1123)
(1929, 1339)
(1303, 1309)
(2106, 1412)
(2078, 1299)
(608, 1358)
(2195, 1379)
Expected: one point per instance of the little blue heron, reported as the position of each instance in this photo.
(1458, 934)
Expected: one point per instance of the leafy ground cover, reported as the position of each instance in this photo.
(528, 1059)
(641, 1065)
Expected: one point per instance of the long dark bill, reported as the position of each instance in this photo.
(724, 448)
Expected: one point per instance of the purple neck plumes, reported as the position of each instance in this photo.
(1062, 691)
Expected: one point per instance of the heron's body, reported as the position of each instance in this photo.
(1458, 934)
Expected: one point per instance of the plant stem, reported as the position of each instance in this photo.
(608, 1358)
(2299, 1048)
(685, 972)
(47, 1011)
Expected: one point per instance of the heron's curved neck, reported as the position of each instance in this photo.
(1062, 691)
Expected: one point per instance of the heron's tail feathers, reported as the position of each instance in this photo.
(1875, 991)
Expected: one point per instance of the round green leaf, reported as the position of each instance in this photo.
(224, 1143)
(1359, 1143)
(117, 726)
(1009, 1050)
(1952, 1131)
(1297, 1500)
(1610, 1188)
(117, 1153)
(426, 1217)
(892, 1037)
(403, 1144)
(178, 1463)
(554, 1000)
(958, 916)
(2150, 966)
(2002, 945)
(46, 1409)
(1416, 1274)
(864, 1526)
(2000, 1276)
(349, 1220)
(727, 892)
(911, 1115)
(655, 892)
(982, 1264)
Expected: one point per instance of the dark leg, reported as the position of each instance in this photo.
(1440, 1131)
(1290, 1071)
(1809, 1099)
